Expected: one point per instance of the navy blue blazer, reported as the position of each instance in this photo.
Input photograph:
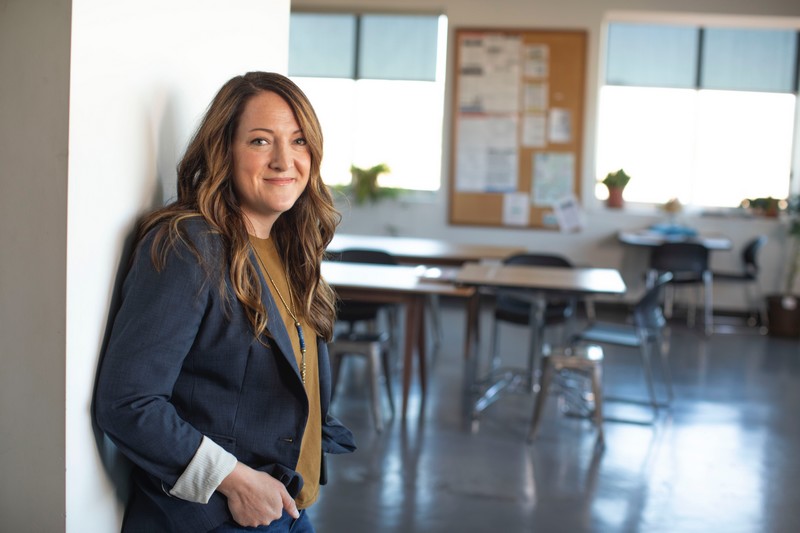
(182, 362)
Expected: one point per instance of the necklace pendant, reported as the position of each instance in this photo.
(302, 340)
(300, 336)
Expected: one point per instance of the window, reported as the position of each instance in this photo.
(377, 84)
(702, 114)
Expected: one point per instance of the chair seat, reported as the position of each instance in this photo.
(518, 312)
(360, 337)
(607, 332)
(733, 276)
(686, 277)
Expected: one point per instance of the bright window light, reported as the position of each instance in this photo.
(706, 148)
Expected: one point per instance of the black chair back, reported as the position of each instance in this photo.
(511, 309)
(351, 311)
(686, 260)
(750, 254)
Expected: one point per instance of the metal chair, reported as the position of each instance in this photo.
(515, 311)
(689, 264)
(643, 330)
(748, 277)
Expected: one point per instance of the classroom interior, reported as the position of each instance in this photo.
(723, 455)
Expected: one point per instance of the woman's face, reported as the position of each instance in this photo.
(271, 161)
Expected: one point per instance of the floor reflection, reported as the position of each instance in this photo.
(723, 458)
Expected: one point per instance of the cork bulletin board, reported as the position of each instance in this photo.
(517, 126)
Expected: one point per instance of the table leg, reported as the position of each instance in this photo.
(412, 342)
(538, 304)
(422, 355)
(471, 342)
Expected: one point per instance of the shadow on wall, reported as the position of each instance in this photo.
(162, 164)
(116, 465)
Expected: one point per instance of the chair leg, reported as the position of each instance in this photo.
(436, 321)
(762, 311)
(541, 397)
(708, 306)
(597, 391)
(669, 298)
(387, 376)
(648, 376)
(667, 373)
(374, 364)
(494, 343)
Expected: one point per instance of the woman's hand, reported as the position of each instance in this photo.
(255, 498)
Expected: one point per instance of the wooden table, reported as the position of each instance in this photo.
(418, 251)
(648, 237)
(536, 284)
(401, 285)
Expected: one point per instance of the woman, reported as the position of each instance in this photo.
(212, 383)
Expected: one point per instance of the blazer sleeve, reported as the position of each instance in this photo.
(152, 333)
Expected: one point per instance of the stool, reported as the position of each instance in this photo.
(375, 348)
(585, 359)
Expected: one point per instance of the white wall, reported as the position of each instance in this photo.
(596, 244)
(90, 133)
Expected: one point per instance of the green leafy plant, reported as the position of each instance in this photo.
(364, 186)
(616, 180)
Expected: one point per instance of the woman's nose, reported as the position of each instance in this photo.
(281, 157)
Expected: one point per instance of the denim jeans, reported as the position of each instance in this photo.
(284, 524)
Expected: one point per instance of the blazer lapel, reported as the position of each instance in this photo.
(275, 324)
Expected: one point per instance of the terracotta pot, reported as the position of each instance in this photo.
(615, 200)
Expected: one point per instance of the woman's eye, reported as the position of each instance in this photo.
(301, 141)
(259, 142)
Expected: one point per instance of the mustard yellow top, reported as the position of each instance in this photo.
(309, 463)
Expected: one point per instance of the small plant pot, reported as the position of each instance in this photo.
(615, 200)
(783, 313)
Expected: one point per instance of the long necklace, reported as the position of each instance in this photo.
(297, 325)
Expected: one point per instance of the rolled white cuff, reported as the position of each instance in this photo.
(209, 466)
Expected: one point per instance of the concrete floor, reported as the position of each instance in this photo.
(724, 457)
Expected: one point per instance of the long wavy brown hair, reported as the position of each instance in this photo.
(205, 189)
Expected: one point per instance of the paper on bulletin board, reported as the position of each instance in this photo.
(489, 74)
(516, 211)
(553, 176)
(568, 213)
(536, 98)
(560, 125)
(534, 130)
(487, 153)
(537, 59)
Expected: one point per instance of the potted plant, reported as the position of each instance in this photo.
(768, 207)
(364, 186)
(783, 308)
(616, 182)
